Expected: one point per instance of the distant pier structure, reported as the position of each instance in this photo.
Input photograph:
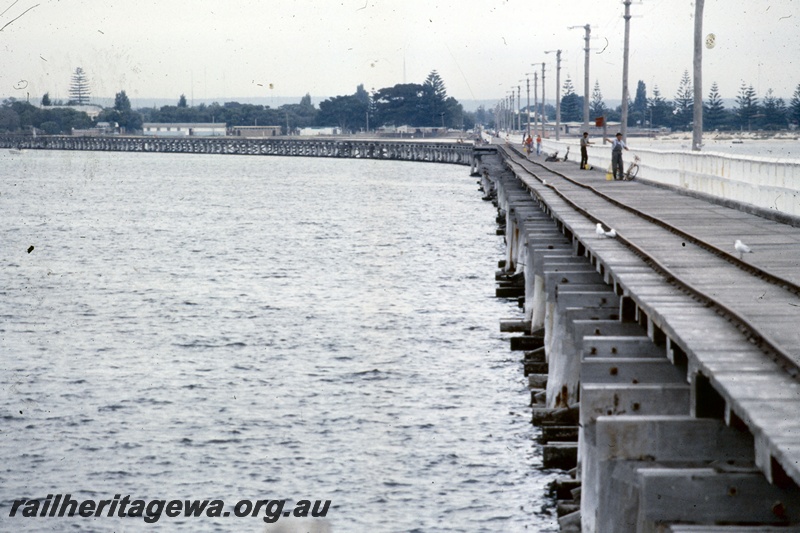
(405, 150)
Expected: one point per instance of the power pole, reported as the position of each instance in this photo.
(588, 29)
(511, 110)
(535, 100)
(544, 111)
(627, 17)
(519, 110)
(697, 128)
(528, 107)
(558, 91)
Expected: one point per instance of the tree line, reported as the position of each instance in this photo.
(418, 105)
(655, 111)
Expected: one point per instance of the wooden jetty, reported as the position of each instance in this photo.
(674, 361)
(419, 150)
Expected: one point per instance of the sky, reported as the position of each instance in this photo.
(483, 49)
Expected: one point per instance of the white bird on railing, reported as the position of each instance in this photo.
(742, 248)
(611, 233)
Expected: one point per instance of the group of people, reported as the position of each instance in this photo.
(528, 143)
(617, 146)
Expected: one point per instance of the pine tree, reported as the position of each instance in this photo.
(571, 103)
(122, 102)
(794, 106)
(747, 109)
(182, 101)
(79, 91)
(435, 96)
(713, 110)
(597, 108)
(46, 100)
(436, 84)
(774, 112)
(684, 102)
(638, 111)
(660, 110)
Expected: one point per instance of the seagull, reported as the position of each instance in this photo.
(598, 229)
(742, 248)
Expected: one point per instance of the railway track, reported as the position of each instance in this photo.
(764, 305)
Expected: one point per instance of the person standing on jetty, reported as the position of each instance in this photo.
(538, 145)
(617, 145)
(584, 151)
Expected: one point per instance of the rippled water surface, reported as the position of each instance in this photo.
(231, 327)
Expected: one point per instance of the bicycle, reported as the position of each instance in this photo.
(633, 169)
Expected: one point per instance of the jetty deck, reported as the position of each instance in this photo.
(711, 377)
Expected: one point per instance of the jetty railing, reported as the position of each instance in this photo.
(768, 184)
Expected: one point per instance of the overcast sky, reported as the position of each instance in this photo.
(223, 49)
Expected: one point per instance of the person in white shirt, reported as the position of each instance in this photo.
(617, 145)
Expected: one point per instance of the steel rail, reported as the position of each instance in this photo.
(742, 265)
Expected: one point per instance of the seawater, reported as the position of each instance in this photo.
(228, 327)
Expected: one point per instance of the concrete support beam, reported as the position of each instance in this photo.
(704, 495)
(693, 528)
(614, 440)
(629, 371)
(643, 399)
(612, 346)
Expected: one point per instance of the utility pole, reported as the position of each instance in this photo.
(509, 113)
(697, 128)
(558, 91)
(544, 111)
(535, 101)
(586, 38)
(627, 17)
(586, 78)
(528, 90)
(511, 109)
(513, 121)
(519, 110)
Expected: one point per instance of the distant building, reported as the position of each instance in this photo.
(421, 131)
(310, 132)
(199, 129)
(256, 131)
(90, 109)
(102, 128)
